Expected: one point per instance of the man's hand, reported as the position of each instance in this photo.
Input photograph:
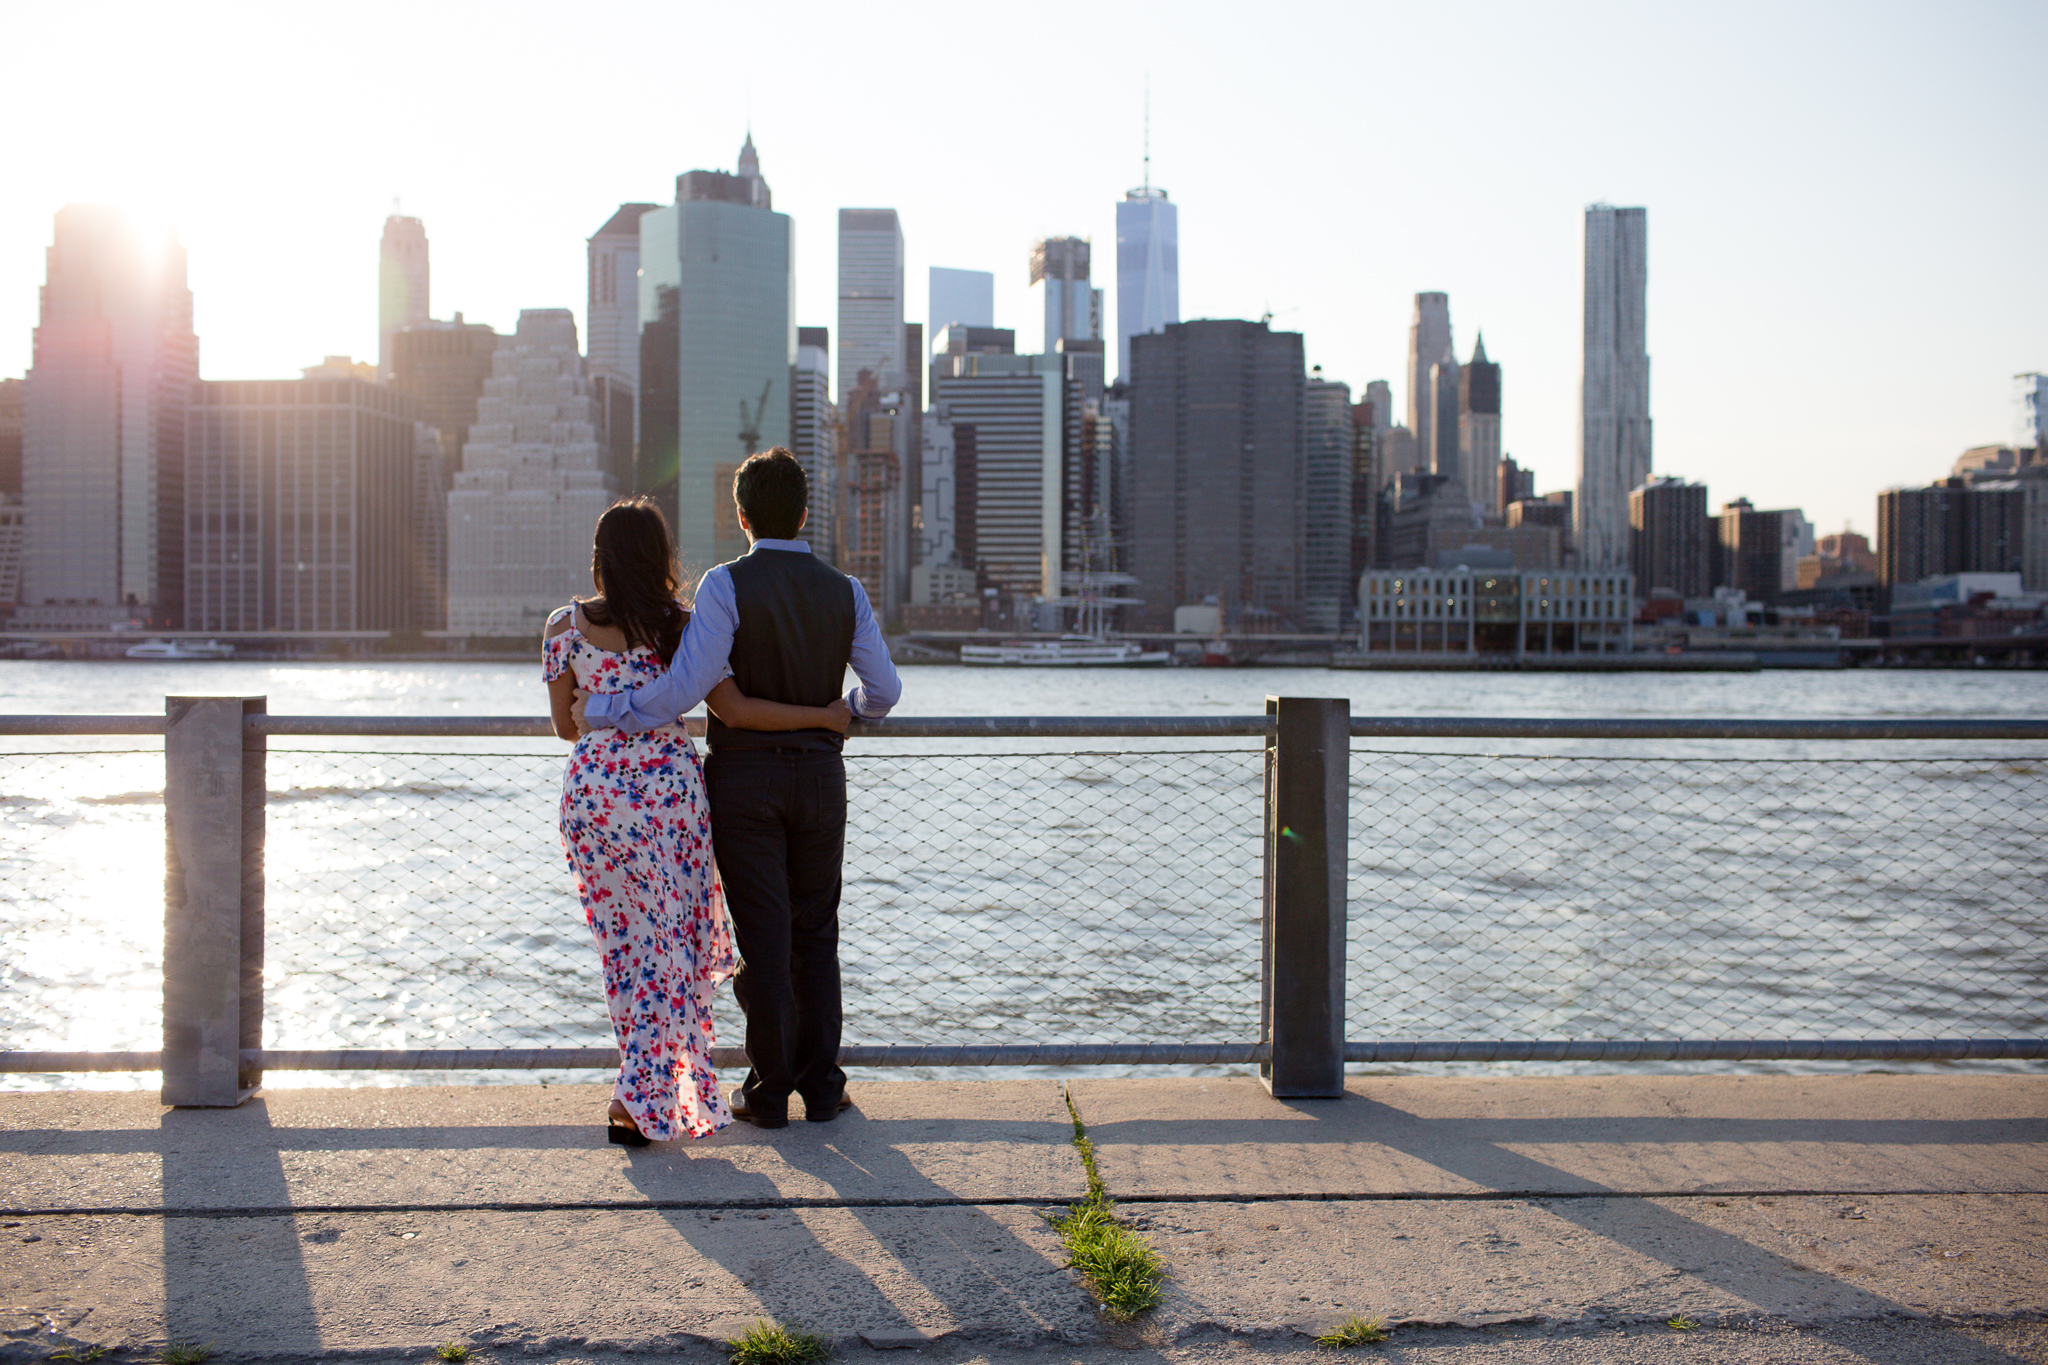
(838, 715)
(576, 713)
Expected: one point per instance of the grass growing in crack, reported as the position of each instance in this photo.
(1119, 1265)
(1354, 1331)
(1681, 1323)
(771, 1343)
(186, 1353)
(451, 1350)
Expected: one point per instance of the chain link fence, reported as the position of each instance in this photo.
(81, 898)
(421, 900)
(418, 898)
(1621, 897)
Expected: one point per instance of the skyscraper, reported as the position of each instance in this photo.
(718, 336)
(1479, 430)
(1444, 454)
(1147, 267)
(870, 297)
(301, 496)
(1614, 402)
(1330, 444)
(967, 297)
(402, 281)
(1217, 479)
(1067, 306)
(103, 427)
(531, 487)
(612, 314)
(1011, 489)
(1429, 343)
(814, 435)
(441, 367)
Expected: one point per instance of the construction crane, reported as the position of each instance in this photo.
(750, 422)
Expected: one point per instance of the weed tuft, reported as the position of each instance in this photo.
(1354, 1331)
(1118, 1264)
(1681, 1323)
(85, 1353)
(451, 1350)
(186, 1353)
(771, 1343)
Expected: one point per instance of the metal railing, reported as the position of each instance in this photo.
(1179, 888)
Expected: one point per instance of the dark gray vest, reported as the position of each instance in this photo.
(792, 643)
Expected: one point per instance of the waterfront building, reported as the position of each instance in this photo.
(967, 297)
(717, 338)
(2033, 493)
(1217, 478)
(1067, 306)
(814, 436)
(1496, 612)
(1614, 391)
(531, 486)
(1443, 425)
(611, 316)
(1955, 525)
(1330, 455)
(938, 490)
(1515, 483)
(1428, 516)
(1147, 268)
(103, 428)
(1367, 433)
(1479, 429)
(1009, 527)
(1429, 344)
(402, 284)
(1669, 537)
(870, 297)
(1749, 551)
(301, 503)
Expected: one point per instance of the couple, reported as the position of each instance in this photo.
(651, 833)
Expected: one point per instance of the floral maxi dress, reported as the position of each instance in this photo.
(637, 831)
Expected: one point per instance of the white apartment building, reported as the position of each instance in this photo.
(531, 488)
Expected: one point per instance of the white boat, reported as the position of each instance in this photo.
(1068, 651)
(164, 650)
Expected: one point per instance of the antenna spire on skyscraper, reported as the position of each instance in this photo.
(1148, 132)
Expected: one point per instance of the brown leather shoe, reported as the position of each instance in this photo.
(743, 1109)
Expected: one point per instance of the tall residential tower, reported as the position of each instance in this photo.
(1614, 402)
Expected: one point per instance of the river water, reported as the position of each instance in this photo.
(1008, 891)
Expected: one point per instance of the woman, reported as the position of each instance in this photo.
(637, 830)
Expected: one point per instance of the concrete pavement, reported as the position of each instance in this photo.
(316, 1222)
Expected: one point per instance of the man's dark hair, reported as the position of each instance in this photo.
(771, 489)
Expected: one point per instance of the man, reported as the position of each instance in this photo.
(787, 625)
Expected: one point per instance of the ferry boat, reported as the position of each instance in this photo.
(178, 650)
(1068, 651)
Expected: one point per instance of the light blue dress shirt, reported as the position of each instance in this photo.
(702, 660)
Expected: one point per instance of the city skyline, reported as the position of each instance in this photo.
(1757, 235)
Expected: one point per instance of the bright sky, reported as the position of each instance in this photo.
(1846, 201)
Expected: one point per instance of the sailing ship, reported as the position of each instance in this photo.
(1090, 644)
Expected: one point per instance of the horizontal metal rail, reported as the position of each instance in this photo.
(1108, 727)
(1098, 1054)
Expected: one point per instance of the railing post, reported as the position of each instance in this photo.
(213, 900)
(1308, 799)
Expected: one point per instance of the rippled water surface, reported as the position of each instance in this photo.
(1006, 891)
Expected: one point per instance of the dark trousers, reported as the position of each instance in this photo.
(778, 830)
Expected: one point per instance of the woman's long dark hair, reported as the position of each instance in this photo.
(633, 563)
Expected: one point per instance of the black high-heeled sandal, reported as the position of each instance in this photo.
(624, 1132)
